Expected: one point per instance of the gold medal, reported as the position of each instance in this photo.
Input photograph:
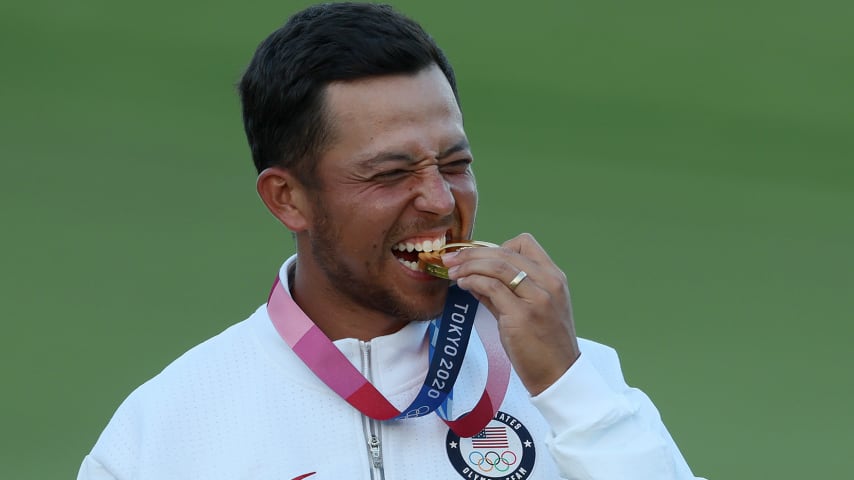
(431, 262)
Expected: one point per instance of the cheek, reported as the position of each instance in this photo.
(466, 193)
(466, 198)
(363, 224)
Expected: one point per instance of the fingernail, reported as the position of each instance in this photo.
(448, 256)
(453, 270)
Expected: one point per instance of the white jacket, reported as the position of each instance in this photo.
(243, 406)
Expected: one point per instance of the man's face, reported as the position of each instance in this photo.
(396, 172)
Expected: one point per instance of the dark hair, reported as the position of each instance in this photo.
(282, 88)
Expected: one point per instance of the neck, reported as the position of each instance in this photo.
(337, 316)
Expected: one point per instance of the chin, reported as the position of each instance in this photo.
(431, 308)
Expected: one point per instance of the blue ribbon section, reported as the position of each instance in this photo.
(449, 339)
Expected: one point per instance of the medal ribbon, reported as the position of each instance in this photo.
(449, 340)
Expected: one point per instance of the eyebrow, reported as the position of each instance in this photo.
(393, 156)
(458, 147)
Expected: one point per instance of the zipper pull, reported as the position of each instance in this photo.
(376, 456)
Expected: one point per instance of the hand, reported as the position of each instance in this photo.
(535, 318)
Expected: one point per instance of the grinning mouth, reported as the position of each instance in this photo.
(407, 252)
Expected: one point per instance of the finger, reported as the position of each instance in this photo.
(503, 254)
(498, 268)
(485, 302)
(470, 261)
(503, 300)
(526, 245)
(550, 277)
(517, 280)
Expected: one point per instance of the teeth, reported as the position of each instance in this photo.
(410, 265)
(424, 246)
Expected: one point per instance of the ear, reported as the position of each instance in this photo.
(285, 197)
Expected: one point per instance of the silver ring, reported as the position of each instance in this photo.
(517, 280)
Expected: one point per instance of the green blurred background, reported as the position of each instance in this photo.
(688, 164)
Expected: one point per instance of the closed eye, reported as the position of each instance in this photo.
(457, 166)
(391, 175)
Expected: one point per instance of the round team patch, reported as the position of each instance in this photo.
(503, 449)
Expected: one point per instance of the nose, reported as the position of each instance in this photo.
(434, 193)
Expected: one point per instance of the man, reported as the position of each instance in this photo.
(353, 118)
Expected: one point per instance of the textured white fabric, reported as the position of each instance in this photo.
(243, 406)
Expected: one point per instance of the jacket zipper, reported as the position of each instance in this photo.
(373, 432)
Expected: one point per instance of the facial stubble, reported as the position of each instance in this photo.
(328, 249)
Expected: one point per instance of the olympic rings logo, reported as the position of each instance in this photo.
(417, 412)
(491, 460)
